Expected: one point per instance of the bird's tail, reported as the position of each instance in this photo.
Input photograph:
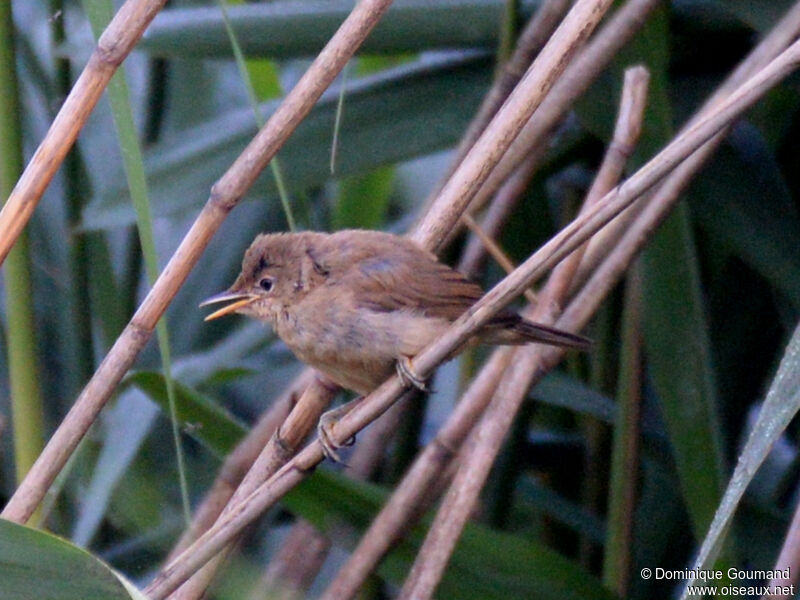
(512, 329)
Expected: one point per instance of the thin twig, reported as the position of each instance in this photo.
(478, 456)
(496, 252)
(225, 195)
(114, 45)
(569, 239)
(500, 208)
(625, 453)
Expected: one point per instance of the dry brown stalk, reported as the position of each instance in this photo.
(622, 235)
(578, 76)
(664, 198)
(531, 40)
(300, 557)
(495, 251)
(281, 446)
(286, 439)
(478, 457)
(500, 208)
(519, 164)
(630, 389)
(295, 565)
(458, 503)
(225, 194)
(228, 527)
(412, 496)
(780, 36)
(567, 39)
(609, 272)
(239, 461)
(626, 134)
(114, 45)
(498, 135)
(569, 239)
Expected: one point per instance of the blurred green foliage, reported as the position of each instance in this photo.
(720, 294)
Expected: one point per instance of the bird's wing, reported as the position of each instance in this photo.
(411, 280)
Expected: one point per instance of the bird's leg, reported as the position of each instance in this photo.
(409, 377)
(325, 429)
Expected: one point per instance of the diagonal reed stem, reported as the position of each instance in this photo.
(114, 45)
(501, 131)
(570, 238)
(528, 365)
(225, 194)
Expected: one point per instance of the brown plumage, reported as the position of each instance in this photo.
(353, 303)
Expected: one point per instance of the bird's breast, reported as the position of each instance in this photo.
(356, 347)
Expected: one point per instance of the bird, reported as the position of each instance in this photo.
(358, 305)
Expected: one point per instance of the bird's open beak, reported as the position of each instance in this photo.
(237, 300)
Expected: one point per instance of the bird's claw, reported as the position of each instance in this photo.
(409, 377)
(325, 431)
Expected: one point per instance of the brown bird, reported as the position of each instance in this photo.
(356, 305)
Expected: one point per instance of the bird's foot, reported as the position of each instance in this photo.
(325, 430)
(409, 377)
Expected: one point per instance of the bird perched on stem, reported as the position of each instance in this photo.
(356, 305)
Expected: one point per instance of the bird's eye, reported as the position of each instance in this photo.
(265, 284)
